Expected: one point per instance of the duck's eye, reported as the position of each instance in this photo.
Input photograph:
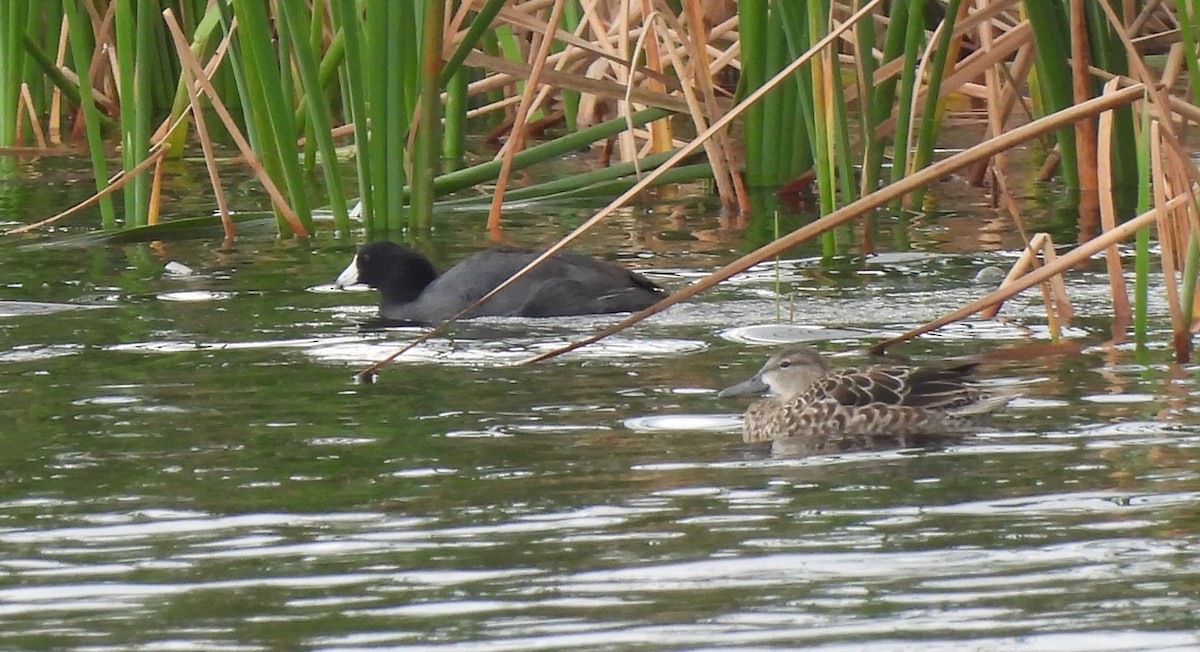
(785, 364)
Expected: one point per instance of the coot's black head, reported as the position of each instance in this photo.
(398, 272)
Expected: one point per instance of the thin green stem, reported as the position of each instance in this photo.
(306, 63)
(82, 55)
(346, 18)
(425, 154)
(931, 116)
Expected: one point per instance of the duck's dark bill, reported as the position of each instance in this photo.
(753, 386)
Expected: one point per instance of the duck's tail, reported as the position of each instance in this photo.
(983, 405)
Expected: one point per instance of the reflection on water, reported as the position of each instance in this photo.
(191, 468)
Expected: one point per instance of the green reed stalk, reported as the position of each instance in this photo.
(334, 54)
(313, 44)
(914, 38)
(327, 68)
(425, 147)
(398, 109)
(243, 74)
(1049, 25)
(822, 129)
(269, 106)
(164, 63)
(864, 50)
(202, 33)
(1191, 266)
(249, 91)
(752, 27)
(316, 31)
(287, 82)
(801, 120)
(386, 96)
(878, 104)
(12, 62)
(572, 14)
(932, 115)
(1189, 13)
(843, 155)
(385, 155)
(510, 49)
(571, 183)
(345, 18)
(799, 152)
(138, 140)
(559, 191)
(613, 187)
(465, 178)
(771, 142)
(43, 63)
(454, 140)
(1108, 53)
(816, 18)
(131, 85)
(77, 30)
(33, 25)
(412, 14)
(318, 111)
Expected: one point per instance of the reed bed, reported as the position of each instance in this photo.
(851, 96)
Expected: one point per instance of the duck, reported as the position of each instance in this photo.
(813, 409)
(413, 292)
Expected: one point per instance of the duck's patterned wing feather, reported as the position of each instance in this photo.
(829, 418)
(859, 386)
(941, 388)
(870, 408)
(928, 388)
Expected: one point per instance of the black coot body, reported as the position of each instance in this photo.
(566, 284)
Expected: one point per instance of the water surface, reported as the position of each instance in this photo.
(187, 464)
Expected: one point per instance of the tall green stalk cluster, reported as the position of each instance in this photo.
(295, 69)
(806, 124)
(773, 34)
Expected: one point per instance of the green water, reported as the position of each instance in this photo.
(187, 465)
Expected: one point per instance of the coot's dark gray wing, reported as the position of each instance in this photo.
(580, 285)
(566, 284)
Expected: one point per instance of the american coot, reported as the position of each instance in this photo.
(811, 409)
(566, 284)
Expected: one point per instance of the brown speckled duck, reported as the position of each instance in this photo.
(811, 409)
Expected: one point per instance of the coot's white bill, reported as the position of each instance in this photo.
(349, 276)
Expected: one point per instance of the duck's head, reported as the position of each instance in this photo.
(400, 273)
(786, 374)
